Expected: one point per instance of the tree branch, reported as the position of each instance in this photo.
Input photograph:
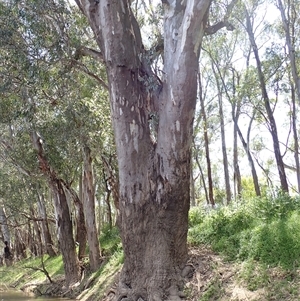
(85, 70)
(214, 28)
(86, 51)
(42, 269)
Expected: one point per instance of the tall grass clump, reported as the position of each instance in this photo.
(263, 229)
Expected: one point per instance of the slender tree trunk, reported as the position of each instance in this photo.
(89, 209)
(206, 143)
(112, 181)
(107, 201)
(62, 213)
(271, 119)
(20, 245)
(249, 156)
(288, 23)
(289, 18)
(237, 173)
(81, 231)
(4, 225)
(223, 139)
(45, 227)
(202, 180)
(192, 188)
(235, 112)
(296, 138)
(37, 240)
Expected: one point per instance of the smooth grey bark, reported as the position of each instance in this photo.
(223, 139)
(154, 178)
(202, 176)
(296, 137)
(81, 230)
(46, 235)
(88, 200)
(271, 119)
(211, 199)
(248, 153)
(288, 22)
(289, 18)
(235, 111)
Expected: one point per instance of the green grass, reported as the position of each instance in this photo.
(266, 230)
(262, 235)
(23, 271)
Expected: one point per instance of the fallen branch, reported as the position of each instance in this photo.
(42, 269)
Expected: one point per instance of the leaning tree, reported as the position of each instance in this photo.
(154, 161)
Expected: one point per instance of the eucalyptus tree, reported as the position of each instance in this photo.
(58, 108)
(249, 25)
(216, 65)
(289, 20)
(238, 85)
(35, 82)
(204, 110)
(153, 173)
(43, 215)
(290, 25)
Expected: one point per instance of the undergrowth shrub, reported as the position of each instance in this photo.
(267, 230)
(281, 206)
(196, 216)
(110, 240)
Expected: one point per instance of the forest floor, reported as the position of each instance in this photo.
(217, 279)
(213, 278)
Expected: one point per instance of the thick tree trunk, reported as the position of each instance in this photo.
(271, 119)
(154, 177)
(88, 193)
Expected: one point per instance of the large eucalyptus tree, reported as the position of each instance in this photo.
(154, 170)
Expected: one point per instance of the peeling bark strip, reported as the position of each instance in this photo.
(154, 176)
